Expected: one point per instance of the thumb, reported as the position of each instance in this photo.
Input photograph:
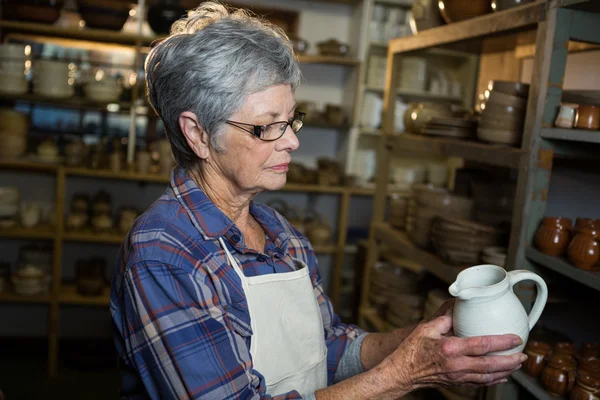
(442, 324)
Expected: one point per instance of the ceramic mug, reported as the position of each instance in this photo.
(566, 115)
(486, 304)
(588, 117)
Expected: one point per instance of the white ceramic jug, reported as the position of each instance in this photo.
(486, 304)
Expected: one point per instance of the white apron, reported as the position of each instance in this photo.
(288, 341)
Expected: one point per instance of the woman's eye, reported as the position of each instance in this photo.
(282, 128)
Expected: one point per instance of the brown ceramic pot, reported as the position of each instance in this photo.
(565, 348)
(553, 236)
(558, 377)
(588, 117)
(588, 350)
(587, 387)
(537, 352)
(583, 250)
(584, 223)
(590, 364)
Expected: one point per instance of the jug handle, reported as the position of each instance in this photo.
(519, 275)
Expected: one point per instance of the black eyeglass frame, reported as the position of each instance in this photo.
(257, 129)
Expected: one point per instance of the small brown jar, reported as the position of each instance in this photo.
(537, 353)
(587, 351)
(553, 236)
(566, 348)
(587, 387)
(583, 250)
(558, 377)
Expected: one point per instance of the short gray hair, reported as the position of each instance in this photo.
(209, 64)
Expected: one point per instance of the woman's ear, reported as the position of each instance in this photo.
(195, 135)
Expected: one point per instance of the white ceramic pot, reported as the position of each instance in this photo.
(11, 86)
(486, 304)
(31, 214)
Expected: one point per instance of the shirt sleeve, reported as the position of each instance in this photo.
(181, 341)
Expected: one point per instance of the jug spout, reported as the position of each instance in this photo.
(479, 281)
(462, 293)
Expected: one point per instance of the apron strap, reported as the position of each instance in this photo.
(236, 266)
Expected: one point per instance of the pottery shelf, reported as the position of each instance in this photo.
(400, 242)
(18, 232)
(533, 386)
(573, 135)
(490, 154)
(68, 296)
(332, 60)
(563, 267)
(27, 165)
(417, 95)
(9, 297)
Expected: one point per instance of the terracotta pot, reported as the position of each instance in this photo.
(565, 348)
(588, 117)
(537, 352)
(591, 364)
(163, 13)
(588, 350)
(584, 223)
(554, 236)
(558, 377)
(583, 250)
(587, 387)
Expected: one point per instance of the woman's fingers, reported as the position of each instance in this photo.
(479, 345)
(489, 364)
(484, 379)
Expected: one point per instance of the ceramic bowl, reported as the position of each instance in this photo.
(103, 93)
(11, 86)
(9, 195)
(504, 99)
(333, 47)
(104, 14)
(459, 10)
(440, 199)
(502, 111)
(42, 11)
(12, 145)
(417, 117)
(518, 89)
(12, 51)
(13, 122)
(501, 136)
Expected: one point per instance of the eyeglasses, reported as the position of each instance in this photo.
(274, 131)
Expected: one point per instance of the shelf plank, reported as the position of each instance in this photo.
(89, 236)
(370, 131)
(18, 232)
(71, 102)
(331, 60)
(10, 297)
(68, 295)
(532, 386)
(88, 34)
(417, 94)
(563, 267)
(122, 175)
(490, 154)
(574, 135)
(370, 314)
(400, 242)
(513, 19)
(24, 164)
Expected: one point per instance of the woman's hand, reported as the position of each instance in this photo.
(427, 358)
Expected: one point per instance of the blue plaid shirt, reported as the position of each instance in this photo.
(182, 327)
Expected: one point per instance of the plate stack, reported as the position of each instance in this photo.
(387, 281)
(460, 242)
(13, 133)
(404, 310)
(53, 79)
(503, 117)
(451, 127)
(9, 206)
(12, 69)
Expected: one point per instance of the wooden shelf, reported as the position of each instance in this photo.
(370, 131)
(517, 18)
(491, 154)
(10, 297)
(573, 135)
(331, 60)
(563, 267)
(370, 314)
(532, 386)
(18, 232)
(78, 103)
(90, 236)
(418, 95)
(24, 164)
(122, 175)
(400, 242)
(87, 34)
(68, 295)
(359, 191)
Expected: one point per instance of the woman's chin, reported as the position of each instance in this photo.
(276, 183)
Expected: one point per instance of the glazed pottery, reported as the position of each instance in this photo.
(514, 88)
(558, 377)
(458, 10)
(566, 115)
(537, 353)
(566, 348)
(588, 117)
(583, 251)
(31, 213)
(105, 14)
(163, 13)
(587, 387)
(554, 236)
(486, 304)
(590, 364)
(588, 350)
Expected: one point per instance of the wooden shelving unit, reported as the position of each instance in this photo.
(555, 23)
(68, 295)
(9, 297)
(18, 232)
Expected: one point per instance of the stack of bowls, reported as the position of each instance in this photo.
(460, 241)
(13, 133)
(105, 90)
(494, 256)
(503, 117)
(388, 280)
(12, 69)
(9, 206)
(494, 202)
(404, 310)
(30, 280)
(53, 79)
(428, 203)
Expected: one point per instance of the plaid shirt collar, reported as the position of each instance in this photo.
(212, 223)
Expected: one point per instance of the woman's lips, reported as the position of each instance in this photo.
(281, 167)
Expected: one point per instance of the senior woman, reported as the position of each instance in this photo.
(218, 297)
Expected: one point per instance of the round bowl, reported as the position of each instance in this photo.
(501, 136)
(42, 11)
(501, 111)
(104, 14)
(12, 51)
(11, 86)
(513, 88)
(459, 10)
(506, 100)
(13, 122)
(12, 146)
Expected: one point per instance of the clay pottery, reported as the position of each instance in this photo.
(127, 217)
(583, 251)
(486, 304)
(566, 115)
(458, 10)
(558, 377)
(588, 350)
(31, 214)
(587, 387)
(512, 88)
(591, 364)
(105, 14)
(114, 161)
(102, 203)
(566, 348)
(537, 352)
(42, 11)
(588, 117)
(102, 222)
(426, 15)
(554, 236)
(585, 223)
(76, 221)
(300, 45)
(333, 47)
(163, 13)
(80, 202)
(319, 233)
